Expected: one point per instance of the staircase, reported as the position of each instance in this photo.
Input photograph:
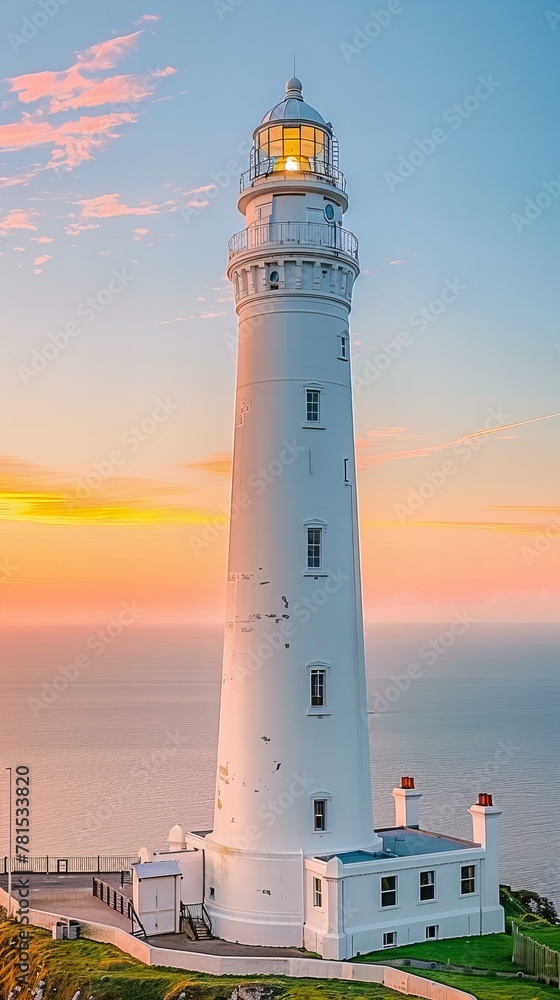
(195, 922)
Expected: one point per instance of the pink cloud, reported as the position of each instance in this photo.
(41, 239)
(73, 142)
(77, 227)
(105, 55)
(141, 232)
(18, 218)
(107, 205)
(43, 259)
(147, 17)
(114, 90)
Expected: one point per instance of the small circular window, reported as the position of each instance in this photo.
(329, 212)
(274, 277)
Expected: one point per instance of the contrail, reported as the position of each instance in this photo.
(419, 452)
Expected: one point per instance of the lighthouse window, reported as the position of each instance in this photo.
(389, 890)
(427, 885)
(389, 939)
(314, 546)
(317, 892)
(467, 879)
(318, 690)
(343, 356)
(319, 815)
(313, 406)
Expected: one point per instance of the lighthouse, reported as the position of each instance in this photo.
(293, 774)
(293, 858)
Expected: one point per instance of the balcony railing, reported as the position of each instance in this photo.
(317, 168)
(292, 234)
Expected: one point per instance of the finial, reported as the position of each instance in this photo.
(294, 88)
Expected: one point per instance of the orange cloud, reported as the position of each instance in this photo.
(18, 218)
(42, 260)
(107, 205)
(220, 464)
(73, 142)
(41, 239)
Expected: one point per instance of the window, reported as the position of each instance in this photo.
(389, 939)
(346, 479)
(317, 892)
(432, 932)
(312, 410)
(343, 356)
(314, 547)
(427, 885)
(318, 688)
(211, 892)
(389, 890)
(468, 873)
(319, 815)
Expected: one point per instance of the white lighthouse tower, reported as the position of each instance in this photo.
(293, 760)
(293, 858)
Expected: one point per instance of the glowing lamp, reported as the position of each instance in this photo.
(292, 163)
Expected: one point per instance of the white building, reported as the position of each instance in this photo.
(293, 858)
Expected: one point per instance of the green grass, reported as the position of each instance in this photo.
(492, 951)
(542, 932)
(104, 973)
(493, 988)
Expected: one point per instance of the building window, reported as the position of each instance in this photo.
(427, 885)
(318, 688)
(312, 407)
(314, 547)
(389, 939)
(346, 478)
(432, 932)
(317, 892)
(468, 874)
(389, 890)
(343, 356)
(211, 892)
(319, 815)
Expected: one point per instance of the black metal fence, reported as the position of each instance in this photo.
(48, 865)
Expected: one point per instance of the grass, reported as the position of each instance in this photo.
(540, 931)
(493, 988)
(102, 972)
(493, 951)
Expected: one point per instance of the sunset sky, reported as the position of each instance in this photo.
(123, 129)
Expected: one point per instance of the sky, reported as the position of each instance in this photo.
(123, 129)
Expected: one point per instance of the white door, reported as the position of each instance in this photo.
(157, 905)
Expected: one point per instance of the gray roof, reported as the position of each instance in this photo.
(293, 107)
(405, 842)
(156, 869)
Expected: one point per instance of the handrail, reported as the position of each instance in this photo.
(327, 236)
(317, 168)
(117, 901)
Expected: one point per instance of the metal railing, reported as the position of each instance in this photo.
(193, 915)
(120, 903)
(313, 234)
(317, 168)
(49, 865)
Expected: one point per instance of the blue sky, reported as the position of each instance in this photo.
(209, 72)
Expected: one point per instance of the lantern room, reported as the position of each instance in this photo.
(293, 138)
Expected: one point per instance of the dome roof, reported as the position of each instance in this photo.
(293, 107)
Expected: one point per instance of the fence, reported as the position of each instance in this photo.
(48, 865)
(536, 958)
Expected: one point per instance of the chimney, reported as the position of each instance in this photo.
(176, 839)
(407, 804)
(485, 818)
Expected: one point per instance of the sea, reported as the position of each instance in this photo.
(121, 740)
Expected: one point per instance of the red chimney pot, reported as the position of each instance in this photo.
(407, 782)
(484, 799)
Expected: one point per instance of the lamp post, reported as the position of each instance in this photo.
(10, 821)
